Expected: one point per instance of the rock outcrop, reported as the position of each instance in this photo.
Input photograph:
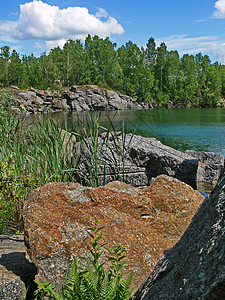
(138, 160)
(77, 98)
(195, 267)
(57, 215)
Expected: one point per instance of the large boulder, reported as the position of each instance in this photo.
(57, 216)
(136, 160)
(161, 159)
(195, 267)
(210, 168)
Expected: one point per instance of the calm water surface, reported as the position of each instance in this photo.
(182, 129)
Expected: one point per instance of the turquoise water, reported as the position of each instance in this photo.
(182, 129)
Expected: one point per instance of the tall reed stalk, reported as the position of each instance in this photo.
(101, 150)
(48, 151)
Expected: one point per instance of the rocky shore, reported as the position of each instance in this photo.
(174, 237)
(74, 98)
(148, 215)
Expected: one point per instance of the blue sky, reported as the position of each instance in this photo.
(187, 26)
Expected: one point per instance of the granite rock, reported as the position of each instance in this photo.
(136, 160)
(57, 215)
(11, 286)
(15, 270)
(210, 168)
(76, 98)
(195, 267)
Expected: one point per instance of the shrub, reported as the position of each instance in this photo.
(13, 189)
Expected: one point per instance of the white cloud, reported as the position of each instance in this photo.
(220, 12)
(193, 45)
(101, 13)
(41, 21)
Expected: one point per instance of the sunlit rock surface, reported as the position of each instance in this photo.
(147, 222)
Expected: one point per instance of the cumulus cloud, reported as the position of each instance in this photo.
(220, 9)
(41, 21)
(211, 45)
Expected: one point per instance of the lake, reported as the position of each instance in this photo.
(200, 129)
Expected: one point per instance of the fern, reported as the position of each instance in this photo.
(94, 283)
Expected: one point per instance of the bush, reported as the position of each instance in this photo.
(13, 190)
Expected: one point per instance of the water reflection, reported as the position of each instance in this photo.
(182, 129)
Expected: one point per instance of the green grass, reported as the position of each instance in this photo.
(32, 156)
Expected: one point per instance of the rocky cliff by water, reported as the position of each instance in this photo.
(75, 98)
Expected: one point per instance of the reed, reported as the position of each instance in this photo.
(48, 152)
(101, 150)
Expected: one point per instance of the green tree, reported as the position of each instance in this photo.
(138, 79)
(161, 71)
(4, 65)
(15, 69)
(151, 53)
(104, 65)
(75, 64)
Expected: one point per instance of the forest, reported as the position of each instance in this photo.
(150, 73)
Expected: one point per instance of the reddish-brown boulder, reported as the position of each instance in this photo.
(147, 222)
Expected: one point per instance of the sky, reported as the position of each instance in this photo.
(191, 26)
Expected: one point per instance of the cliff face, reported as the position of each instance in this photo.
(195, 267)
(76, 98)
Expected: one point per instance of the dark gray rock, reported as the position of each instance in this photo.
(40, 100)
(113, 163)
(16, 110)
(207, 158)
(210, 168)
(114, 100)
(195, 267)
(73, 88)
(11, 286)
(138, 106)
(77, 98)
(14, 87)
(136, 161)
(75, 106)
(25, 96)
(65, 106)
(98, 100)
(83, 104)
(15, 270)
(160, 159)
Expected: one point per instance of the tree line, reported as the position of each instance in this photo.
(149, 73)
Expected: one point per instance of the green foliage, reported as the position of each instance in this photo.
(93, 139)
(101, 280)
(87, 132)
(50, 151)
(32, 156)
(13, 190)
(150, 73)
